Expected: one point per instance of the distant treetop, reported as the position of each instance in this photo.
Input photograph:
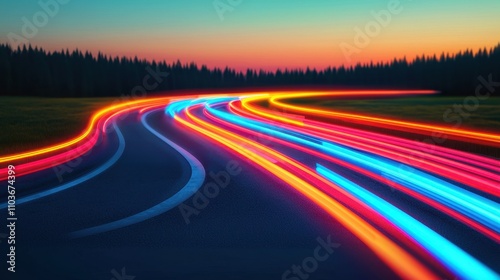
(28, 71)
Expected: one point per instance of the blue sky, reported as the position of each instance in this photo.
(269, 34)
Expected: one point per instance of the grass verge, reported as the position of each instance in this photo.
(30, 123)
(439, 110)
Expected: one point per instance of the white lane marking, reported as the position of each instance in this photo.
(193, 185)
(86, 177)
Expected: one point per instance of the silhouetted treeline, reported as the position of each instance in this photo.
(28, 71)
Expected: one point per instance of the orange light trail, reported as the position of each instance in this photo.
(241, 114)
(399, 260)
(480, 137)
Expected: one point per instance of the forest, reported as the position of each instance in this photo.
(33, 71)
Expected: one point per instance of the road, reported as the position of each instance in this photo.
(154, 199)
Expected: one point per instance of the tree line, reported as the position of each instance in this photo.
(28, 71)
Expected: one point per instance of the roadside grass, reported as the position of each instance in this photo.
(28, 123)
(429, 109)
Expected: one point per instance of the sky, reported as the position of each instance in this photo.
(258, 34)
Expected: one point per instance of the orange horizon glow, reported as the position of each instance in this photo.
(262, 34)
(251, 55)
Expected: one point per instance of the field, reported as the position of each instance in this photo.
(29, 123)
(486, 116)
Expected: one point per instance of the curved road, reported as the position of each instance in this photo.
(153, 200)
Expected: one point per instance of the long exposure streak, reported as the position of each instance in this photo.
(350, 167)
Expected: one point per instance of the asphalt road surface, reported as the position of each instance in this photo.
(153, 200)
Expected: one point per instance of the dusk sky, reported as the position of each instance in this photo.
(257, 33)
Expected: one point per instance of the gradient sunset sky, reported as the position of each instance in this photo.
(259, 34)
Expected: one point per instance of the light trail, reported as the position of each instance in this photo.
(462, 185)
(475, 207)
(396, 258)
(413, 127)
(443, 249)
(190, 188)
(314, 149)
